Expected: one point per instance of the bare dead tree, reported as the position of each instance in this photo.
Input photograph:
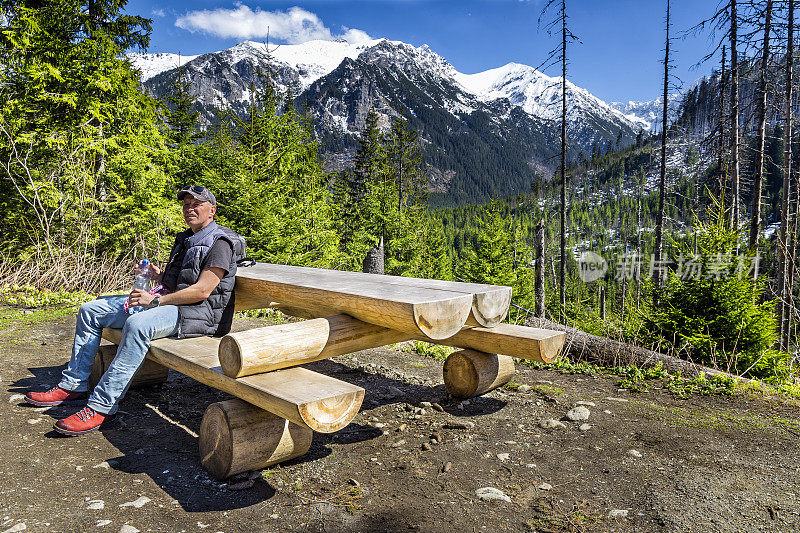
(725, 20)
(659, 229)
(539, 269)
(734, 118)
(559, 55)
(755, 216)
(783, 246)
(721, 123)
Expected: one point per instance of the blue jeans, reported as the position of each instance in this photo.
(137, 332)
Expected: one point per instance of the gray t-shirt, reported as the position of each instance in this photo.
(218, 256)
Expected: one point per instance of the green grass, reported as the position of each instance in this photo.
(426, 349)
(636, 379)
(27, 296)
(11, 317)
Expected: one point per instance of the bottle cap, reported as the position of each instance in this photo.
(145, 262)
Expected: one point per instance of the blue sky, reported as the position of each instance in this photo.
(622, 41)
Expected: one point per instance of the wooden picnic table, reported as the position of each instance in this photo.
(280, 403)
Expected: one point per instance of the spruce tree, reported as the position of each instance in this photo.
(500, 255)
(179, 113)
(363, 217)
(73, 105)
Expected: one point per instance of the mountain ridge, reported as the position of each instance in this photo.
(492, 133)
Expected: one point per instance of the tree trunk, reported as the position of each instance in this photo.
(786, 290)
(755, 216)
(580, 346)
(721, 127)
(563, 267)
(373, 262)
(638, 258)
(734, 119)
(539, 270)
(659, 230)
(602, 302)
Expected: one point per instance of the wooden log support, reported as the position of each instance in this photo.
(150, 373)
(236, 436)
(523, 342)
(274, 347)
(308, 399)
(432, 313)
(469, 373)
(281, 346)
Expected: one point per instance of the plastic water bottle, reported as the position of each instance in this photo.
(142, 282)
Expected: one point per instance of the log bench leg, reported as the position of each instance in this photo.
(150, 373)
(469, 373)
(236, 436)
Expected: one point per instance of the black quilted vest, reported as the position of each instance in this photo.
(212, 316)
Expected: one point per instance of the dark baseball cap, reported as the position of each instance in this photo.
(198, 192)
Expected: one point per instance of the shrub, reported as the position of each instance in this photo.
(714, 316)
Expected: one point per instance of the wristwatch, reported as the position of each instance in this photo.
(154, 302)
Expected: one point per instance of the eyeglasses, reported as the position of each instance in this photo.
(194, 188)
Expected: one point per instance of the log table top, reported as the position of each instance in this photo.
(436, 309)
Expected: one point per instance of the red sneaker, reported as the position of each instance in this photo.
(84, 421)
(56, 396)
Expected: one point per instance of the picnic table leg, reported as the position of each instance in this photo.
(236, 436)
(469, 373)
(150, 373)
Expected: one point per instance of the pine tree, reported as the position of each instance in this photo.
(73, 105)
(407, 209)
(270, 184)
(179, 114)
(500, 255)
(367, 195)
(435, 261)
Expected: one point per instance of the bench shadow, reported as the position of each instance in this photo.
(154, 426)
(384, 390)
(153, 437)
(43, 378)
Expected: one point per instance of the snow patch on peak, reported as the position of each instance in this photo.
(151, 64)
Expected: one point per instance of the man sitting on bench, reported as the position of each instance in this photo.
(198, 280)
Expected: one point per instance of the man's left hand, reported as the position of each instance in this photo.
(140, 297)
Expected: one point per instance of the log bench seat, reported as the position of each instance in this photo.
(309, 399)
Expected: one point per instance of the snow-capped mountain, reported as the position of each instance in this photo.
(524, 86)
(649, 112)
(483, 134)
(539, 95)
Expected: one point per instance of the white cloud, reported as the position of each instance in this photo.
(158, 13)
(293, 26)
(354, 36)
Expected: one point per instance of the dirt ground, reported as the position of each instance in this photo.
(648, 461)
